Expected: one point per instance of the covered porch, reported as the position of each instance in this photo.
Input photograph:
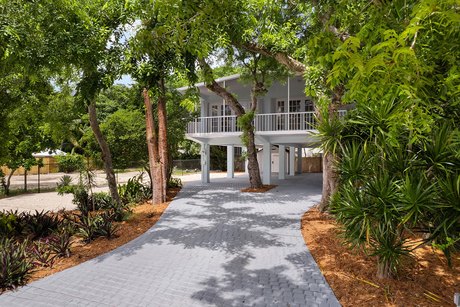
(279, 154)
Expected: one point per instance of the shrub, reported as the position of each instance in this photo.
(41, 254)
(60, 243)
(39, 224)
(82, 200)
(87, 227)
(102, 200)
(70, 163)
(134, 191)
(106, 226)
(64, 186)
(15, 266)
(8, 224)
(90, 227)
(174, 183)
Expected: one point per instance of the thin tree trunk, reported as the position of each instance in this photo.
(329, 181)
(253, 165)
(8, 182)
(152, 145)
(106, 155)
(383, 269)
(25, 180)
(163, 137)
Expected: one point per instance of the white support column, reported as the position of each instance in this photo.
(205, 163)
(291, 161)
(245, 152)
(230, 161)
(299, 160)
(267, 164)
(282, 162)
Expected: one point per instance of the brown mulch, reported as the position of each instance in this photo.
(424, 281)
(144, 216)
(265, 188)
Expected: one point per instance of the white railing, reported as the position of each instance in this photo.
(214, 124)
(299, 121)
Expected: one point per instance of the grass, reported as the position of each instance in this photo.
(181, 172)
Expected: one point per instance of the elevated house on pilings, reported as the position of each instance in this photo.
(283, 124)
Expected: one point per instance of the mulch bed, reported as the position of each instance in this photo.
(265, 188)
(423, 281)
(143, 218)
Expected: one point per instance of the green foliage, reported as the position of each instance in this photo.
(8, 224)
(90, 227)
(39, 224)
(390, 190)
(174, 183)
(41, 254)
(15, 266)
(135, 191)
(60, 243)
(246, 124)
(64, 186)
(70, 163)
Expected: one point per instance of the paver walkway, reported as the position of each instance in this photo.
(214, 246)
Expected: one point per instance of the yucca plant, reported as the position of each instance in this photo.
(15, 265)
(64, 186)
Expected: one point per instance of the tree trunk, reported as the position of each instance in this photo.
(383, 269)
(329, 181)
(253, 165)
(152, 145)
(8, 182)
(162, 136)
(106, 155)
(25, 180)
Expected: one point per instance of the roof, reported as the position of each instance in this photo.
(48, 153)
(201, 84)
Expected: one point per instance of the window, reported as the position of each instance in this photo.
(294, 105)
(215, 110)
(280, 106)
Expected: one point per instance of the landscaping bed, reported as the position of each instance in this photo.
(37, 244)
(144, 216)
(423, 281)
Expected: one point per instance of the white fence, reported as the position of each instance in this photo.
(302, 121)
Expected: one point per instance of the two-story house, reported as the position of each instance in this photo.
(285, 116)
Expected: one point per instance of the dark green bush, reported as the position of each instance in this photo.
(70, 163)
(15, 266)
(39, 224)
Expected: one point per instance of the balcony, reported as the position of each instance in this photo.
(263, 123)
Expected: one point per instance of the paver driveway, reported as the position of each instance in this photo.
(214, 246)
